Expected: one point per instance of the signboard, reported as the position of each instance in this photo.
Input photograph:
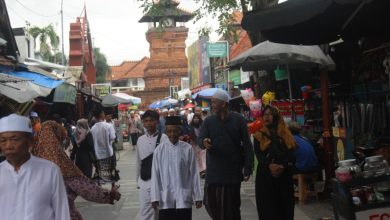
(200, 88)
(218, 49)
(193, 65)
(204, 60)
(374, 214)
(101, 90)
(235, 77)
(221, 86)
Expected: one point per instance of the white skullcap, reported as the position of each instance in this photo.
(33, 114)
(15, 122)
(182, 112)
(165, 110)
(221, 95)
(171, 110)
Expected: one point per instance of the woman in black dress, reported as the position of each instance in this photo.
(274, 146)
(85, 151)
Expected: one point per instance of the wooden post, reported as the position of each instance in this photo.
(79, 105)
(326, 135)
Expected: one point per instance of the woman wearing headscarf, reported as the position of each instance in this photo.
(48, 147)
(85, 152)
(274, 145)
(195, 127)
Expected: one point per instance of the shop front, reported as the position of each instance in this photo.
(352, 102)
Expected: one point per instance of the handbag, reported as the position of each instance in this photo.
(146, 163)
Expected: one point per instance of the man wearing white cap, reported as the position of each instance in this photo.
(31, 188)
(171, 112)
(229, 159)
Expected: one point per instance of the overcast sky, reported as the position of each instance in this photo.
(113, 24)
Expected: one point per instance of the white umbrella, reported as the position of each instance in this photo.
(21, 90)
(273, 54)
(119, 98)
(134, 100)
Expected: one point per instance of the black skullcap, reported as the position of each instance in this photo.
(150, 113)
(173, 120)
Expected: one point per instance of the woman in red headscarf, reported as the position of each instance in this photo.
(49, 147)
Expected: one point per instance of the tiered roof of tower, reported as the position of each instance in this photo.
(167, 8)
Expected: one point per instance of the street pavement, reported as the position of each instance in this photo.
(127, 207)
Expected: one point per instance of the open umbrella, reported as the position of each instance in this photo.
(168, 102)
(274, 54)
(208, 93)
(172, 101)
(111, 100)
(189, 105)
(134, 100)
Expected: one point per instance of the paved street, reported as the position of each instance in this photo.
(127, 207)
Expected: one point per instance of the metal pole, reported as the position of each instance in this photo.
(289, 81)
(62, 30)
(290, 92)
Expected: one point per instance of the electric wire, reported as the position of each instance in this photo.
(37, 13)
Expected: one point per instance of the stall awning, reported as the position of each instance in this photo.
(38, 79)
(20, 89)
(313, 22)
(65, 93)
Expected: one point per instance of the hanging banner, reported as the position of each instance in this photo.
(218, 49)
(235, 77)
(204, 60)
(193, 65)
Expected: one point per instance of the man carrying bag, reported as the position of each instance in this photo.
(146, 145)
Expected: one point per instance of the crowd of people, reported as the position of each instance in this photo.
(174, 149)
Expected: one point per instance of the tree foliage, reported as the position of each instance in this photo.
(48, 41)
(102, 68)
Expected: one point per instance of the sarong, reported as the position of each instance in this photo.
(175, 214)
(222, 202)
(105, 169)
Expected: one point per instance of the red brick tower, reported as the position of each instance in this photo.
(80, 48)
(168, 61)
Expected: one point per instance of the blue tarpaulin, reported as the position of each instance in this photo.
(38, 79)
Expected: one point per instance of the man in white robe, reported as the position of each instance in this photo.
(103, 135)
(175, 185)
(30, 188)
(146, 145)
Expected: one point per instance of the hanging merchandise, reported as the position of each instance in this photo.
(247, 95)
(306, 91)
(255, 126)
(255, 107)
(268, 97)
(280, 74)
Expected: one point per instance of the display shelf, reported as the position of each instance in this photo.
(374, 205)
(366, 181)
(342, 199)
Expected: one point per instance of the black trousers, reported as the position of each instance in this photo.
(134, 138)
(274, 196)
(175, 214)
(223, 202)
